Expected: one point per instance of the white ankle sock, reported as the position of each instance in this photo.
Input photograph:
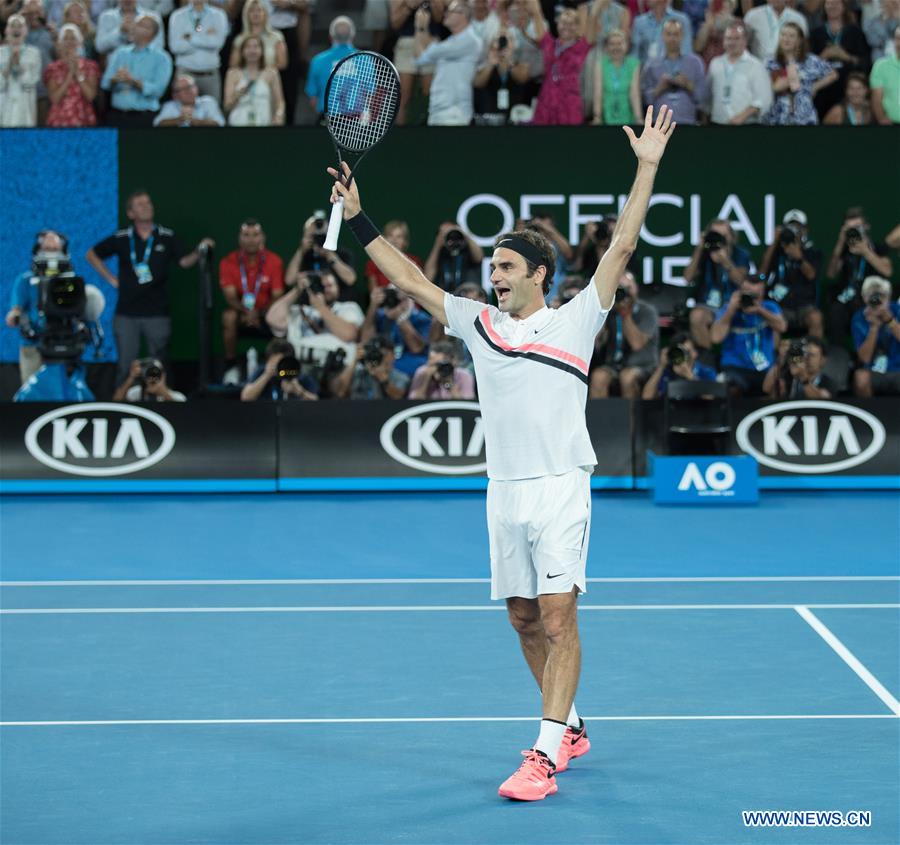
(574, 721)
(550, 738)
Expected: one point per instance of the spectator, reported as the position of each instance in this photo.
(764, 24)
(455, 60)
(647, 33)
(520, 29)
(501, 82)
(376, 20)
(311, 255)
(274, 383)
(791, 265)
(255, 17)
(740, 90)
(562, 249)
(560, 102)
(253, 95)
(371, 373)
(393, 314)
(676, 80)
(678, 361)
(617, 90)
(798, 373)
(442, 377)
(570, 287)
(144, 251)
(885, 82)
(76, 12)
(841, 43)
(627, 349)
(294, 19)
(138, 76)
(454, 258)
(593, 246)
(797, 76)
(484, 21)
(251, 278)
(855, 110)
(469, 290)
(197, 33)
(880, 29)
(115, 27)
(612, 16)
(20, 72)
(342, 32)
(709, 41)
(717, 267)
(854, 258)
(187, 108)
(746, 327)
(72, 82)
(876, 336)
(146, 382)
(403, 23)
(39, 36)
(396, 233)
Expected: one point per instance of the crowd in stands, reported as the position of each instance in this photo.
(178, 63)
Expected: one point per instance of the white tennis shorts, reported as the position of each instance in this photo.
(539, 530)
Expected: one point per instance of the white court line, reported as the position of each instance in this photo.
(351, 581)
(400, 608)
(402, 720)
(849, 658)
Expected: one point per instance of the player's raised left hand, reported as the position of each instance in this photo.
(350, 194)
(651, 145)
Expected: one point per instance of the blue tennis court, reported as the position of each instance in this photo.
(329, 669)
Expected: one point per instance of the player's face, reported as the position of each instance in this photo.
(514, 289)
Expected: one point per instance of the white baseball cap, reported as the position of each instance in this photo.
(795, 215)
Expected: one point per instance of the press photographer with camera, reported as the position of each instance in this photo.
(798, 372)
(678, 361)
(876, 336)
(279, 379)
(370, 373)
(312, 257)
(791, 264)
(501, 82)
(746, 327)
(441, 377)
(394, 315)
(146, 382)
(454, 258)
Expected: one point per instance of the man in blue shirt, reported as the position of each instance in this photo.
(138, 76)
(746, 327)
(876, 336)
(342, 32)
(394, 315)
(646, 34)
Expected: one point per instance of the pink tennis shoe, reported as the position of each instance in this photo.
(534, 779)
(575, 744)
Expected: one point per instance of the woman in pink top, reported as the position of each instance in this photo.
(71, 82)
(560, 102)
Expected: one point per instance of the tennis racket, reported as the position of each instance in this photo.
(361, 100)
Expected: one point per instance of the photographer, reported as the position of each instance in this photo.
(594, 243)
(746, 327)
(146, 382)
(312, 257)
(279, 378)
(677, 361)
(627, 349)
(798, 372)
(396, 233)
(501, 82)
(718, 266)
(394, 315)
(441, 378)
(791, 264)
(855, 257)
(876, 336)
(454, 258)
(371, 373)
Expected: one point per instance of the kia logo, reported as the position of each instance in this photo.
(440, 437)
(811, 436)
(100, 439)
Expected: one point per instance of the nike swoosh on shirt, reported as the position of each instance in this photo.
(558, 574)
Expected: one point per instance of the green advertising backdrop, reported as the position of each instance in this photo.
(204, 182)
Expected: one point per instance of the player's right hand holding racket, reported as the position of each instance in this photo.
(340, 191)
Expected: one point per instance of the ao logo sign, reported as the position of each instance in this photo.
(811, 436)
(100, 439)
(716, 481)
(440, 437)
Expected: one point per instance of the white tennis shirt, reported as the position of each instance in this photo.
(532, 382)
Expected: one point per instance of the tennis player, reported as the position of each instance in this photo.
(531, 363)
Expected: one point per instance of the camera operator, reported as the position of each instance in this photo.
(677, 361)
(454, 258)
(855, 257)
(393, 314)
(312, 257)
(791, 264)
(501, 82)
(441, 377)
(627, 348)
(594, 242)
(146, 382)
(746, 327)
(718, 266)
(371, 373)
(876, 336)
(798, 372)
(279, 378)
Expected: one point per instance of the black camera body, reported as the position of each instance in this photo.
(797, 351)
(373, 353)
(391, 299)
(334, 361)
(151, 371)
(601, 233)
(62, 302)
(288, 368)
(748, 300)
(875, 300)
(314, 283)
(713, 241)
(789, 235)
(454, 242)
(502, 42)
(855, 234)
(445, 370)
(621, 295)
(677, 355)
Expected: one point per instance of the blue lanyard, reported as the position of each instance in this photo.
(757, 336)
(197, 21)
(148, 247)
(619, 350)
(244, 283)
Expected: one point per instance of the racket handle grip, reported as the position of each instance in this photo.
(334, 225)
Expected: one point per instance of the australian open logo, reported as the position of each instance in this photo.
(439, 437)
(100, 439)
(811, 436)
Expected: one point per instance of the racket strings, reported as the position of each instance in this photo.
(362, 99)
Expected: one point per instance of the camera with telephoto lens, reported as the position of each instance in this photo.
(454, 242)
(314, 283)
(288, 368)
(391, 299)
(334, 362)
(445, 370)
(874, 301)
(373, 352)
(855, 234)
(677, 355)
(748, 300)
(151, 370)
(713, 241)
(601, 233)
(797, 352)
(621, 295)
(789, 235)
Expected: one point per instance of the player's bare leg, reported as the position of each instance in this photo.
(563, 667)
(525, 617)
